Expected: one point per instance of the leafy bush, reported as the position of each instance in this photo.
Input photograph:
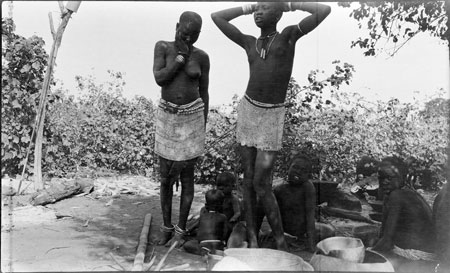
(222, 152)
(100, 130)
(23, 66)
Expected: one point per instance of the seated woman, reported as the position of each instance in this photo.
(407, 226)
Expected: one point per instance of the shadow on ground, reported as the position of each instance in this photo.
(91, 235)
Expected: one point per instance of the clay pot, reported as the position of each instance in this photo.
(346, 248)
(373, 261)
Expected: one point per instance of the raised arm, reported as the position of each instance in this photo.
(318, 13)
(162, 71)
(222, 20)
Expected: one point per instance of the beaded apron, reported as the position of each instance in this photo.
(180, 130)
(260, 125)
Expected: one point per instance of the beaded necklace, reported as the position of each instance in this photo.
(265, 52)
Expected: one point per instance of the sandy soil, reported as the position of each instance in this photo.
(98, 231)
(88, 233)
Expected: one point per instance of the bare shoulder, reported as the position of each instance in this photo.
(222, 217)
(202, 55)
(162, 46)
(309, 186)
(397, 198)
(200, 52)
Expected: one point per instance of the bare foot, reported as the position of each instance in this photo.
(164, 238)
(176, 238)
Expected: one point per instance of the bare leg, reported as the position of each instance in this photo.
(260, 214)
(187, 195)
(265, 161)
(248, 155)
(166, 193)
(187, 192)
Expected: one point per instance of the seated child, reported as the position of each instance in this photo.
(297, 203)
(212, 226)
(231, 204)
(407, 227)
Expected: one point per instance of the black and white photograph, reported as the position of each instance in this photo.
(225, 136)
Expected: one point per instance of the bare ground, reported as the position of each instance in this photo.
(95, 232)
(99, 231)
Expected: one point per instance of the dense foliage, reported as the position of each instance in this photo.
(103, 129)
(23, 67)
(391, 24)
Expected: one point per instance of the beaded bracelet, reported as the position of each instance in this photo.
(178, 230)
(163, 228)
(180, 59)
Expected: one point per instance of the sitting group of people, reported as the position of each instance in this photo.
(222, 211)
(220, 223)
(409, 232)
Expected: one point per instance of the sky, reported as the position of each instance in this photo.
(120, 36)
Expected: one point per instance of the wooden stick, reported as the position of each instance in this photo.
(150, 264)
(61, 6)
(117, 262)
(353, 215)
(161, 263)
(38, 183)
(52, 28)
(142, 247)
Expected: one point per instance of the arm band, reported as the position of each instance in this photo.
(298, 26)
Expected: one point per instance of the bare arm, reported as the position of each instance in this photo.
(318, 13)
(236, 209)
(204, 84)
(225, 228)
(310, 206)
(222, 20)
(390, 222)
(162, 71)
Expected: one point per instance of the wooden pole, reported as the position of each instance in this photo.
(39, 185)
(161, 263)
(142, 246)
